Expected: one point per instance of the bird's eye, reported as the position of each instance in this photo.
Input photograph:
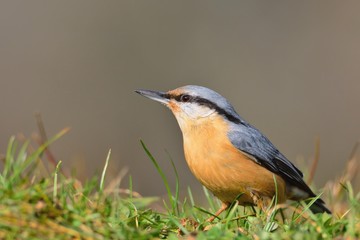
(184, 98)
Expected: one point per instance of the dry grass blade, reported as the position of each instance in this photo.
(43, 139)
(336, 187)
(314, 162)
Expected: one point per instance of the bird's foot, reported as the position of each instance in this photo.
(189, 224)
(223, 207)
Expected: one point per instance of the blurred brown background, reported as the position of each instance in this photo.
(290, 68)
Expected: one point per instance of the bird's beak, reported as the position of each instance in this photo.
(154, 95)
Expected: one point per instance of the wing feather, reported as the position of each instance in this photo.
(251, 141)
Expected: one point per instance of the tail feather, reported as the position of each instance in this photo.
(298, 194)
(319, 207)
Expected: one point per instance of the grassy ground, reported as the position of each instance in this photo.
(34, 205)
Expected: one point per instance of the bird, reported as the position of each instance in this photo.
(228, 155)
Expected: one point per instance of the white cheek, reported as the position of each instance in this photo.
(196, 112)
(190, 115)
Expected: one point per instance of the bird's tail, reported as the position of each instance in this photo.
(319, 207)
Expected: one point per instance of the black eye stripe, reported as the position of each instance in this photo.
(177, 97)
(212, 105)
(207, 103)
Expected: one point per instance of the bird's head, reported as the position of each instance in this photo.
(194, 104)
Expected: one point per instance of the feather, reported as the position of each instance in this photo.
(248, 139)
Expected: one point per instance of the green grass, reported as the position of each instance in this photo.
(50, 205)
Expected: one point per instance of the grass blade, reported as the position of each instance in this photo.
(192, 202)
(56, 180)
(209, 199)
(130, 188)
(9, 158)
(231, 213)
(307, 207)
(176, 202)
(104, 172)
(162, 175)
(206, 211)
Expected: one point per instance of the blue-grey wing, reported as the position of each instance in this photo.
(251, 141)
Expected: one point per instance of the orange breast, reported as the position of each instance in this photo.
(224, 169)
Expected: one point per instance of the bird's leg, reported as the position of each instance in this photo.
(223, 207)
(255, 197)
(258, 201)
(263, 203)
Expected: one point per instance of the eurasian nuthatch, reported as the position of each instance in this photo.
(229, 156)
